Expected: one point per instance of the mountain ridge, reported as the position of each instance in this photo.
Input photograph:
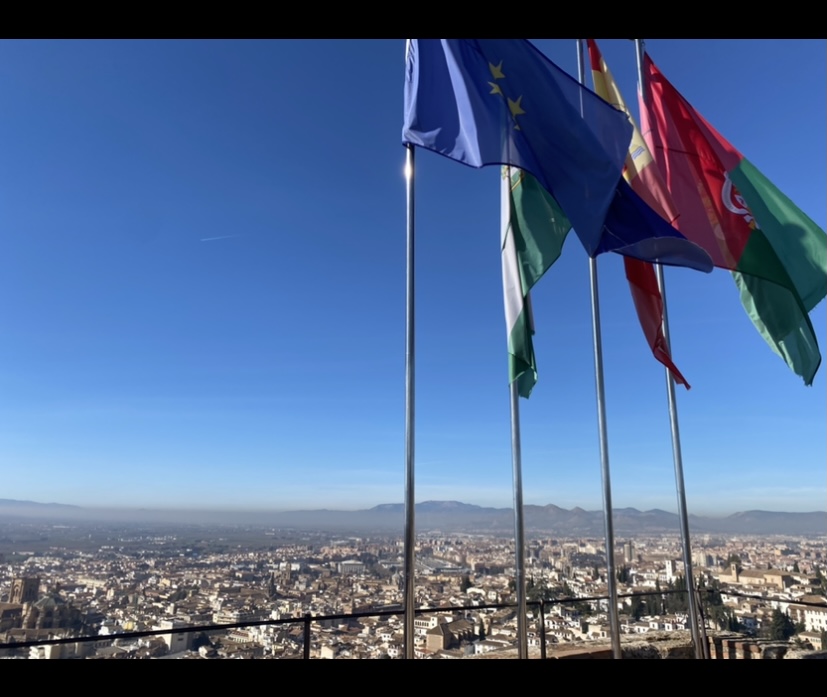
(449, 516)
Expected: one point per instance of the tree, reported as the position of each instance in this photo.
(200, 639)
(676, 602)
(535, 592)
(623, 574)
(654, 601)
(653, 606)
(178, 595)
(582, 608)
(732, 559)
(465, 584)
(717, 612)
(732, 623)
(637, 607)
(781, 626)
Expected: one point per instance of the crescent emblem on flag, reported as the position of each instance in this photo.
(733, 201)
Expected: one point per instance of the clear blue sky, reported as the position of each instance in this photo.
(202, 291)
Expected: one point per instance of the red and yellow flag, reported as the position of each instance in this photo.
(643, 175)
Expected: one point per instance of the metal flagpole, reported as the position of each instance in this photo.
(410, 534)
(676, 436)
(611, 574)
(517, 466)
(519, 530)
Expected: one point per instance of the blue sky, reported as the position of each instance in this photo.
(202, 291)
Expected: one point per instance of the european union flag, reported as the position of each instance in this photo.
(500, 101)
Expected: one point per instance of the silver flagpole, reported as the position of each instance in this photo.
(410, 533)
(676, 435)
(519, 530)
(517, 466)
(611, 574)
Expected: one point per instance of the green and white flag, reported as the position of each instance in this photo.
(534, 229)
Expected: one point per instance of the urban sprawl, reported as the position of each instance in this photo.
(103, 584)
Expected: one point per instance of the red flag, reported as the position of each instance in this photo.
(778, 254)
(649, 306)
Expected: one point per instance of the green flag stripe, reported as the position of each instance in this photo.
(521, 365)
(540, 227)
(521, 362)
(782, 272)
(780, 319)
(534, 230)
(800, 244)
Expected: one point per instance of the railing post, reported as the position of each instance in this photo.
(306, 636)
(702, 624)
(543, 629)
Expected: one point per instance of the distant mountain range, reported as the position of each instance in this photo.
(15, 504)
(447, 516)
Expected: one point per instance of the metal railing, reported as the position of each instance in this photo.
(307, 621)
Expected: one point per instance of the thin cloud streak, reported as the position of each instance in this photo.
(220, 237)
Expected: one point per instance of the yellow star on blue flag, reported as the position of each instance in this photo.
(502, 102)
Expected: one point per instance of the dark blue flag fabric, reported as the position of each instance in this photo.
(500, 101)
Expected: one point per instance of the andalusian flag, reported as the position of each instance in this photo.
(641, 171)
(534, 229)
(778, 254)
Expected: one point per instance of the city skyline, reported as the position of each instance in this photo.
(202, 292)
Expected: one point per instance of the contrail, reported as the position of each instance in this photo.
(221, 237)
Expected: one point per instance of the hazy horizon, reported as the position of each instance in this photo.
(149, 508)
